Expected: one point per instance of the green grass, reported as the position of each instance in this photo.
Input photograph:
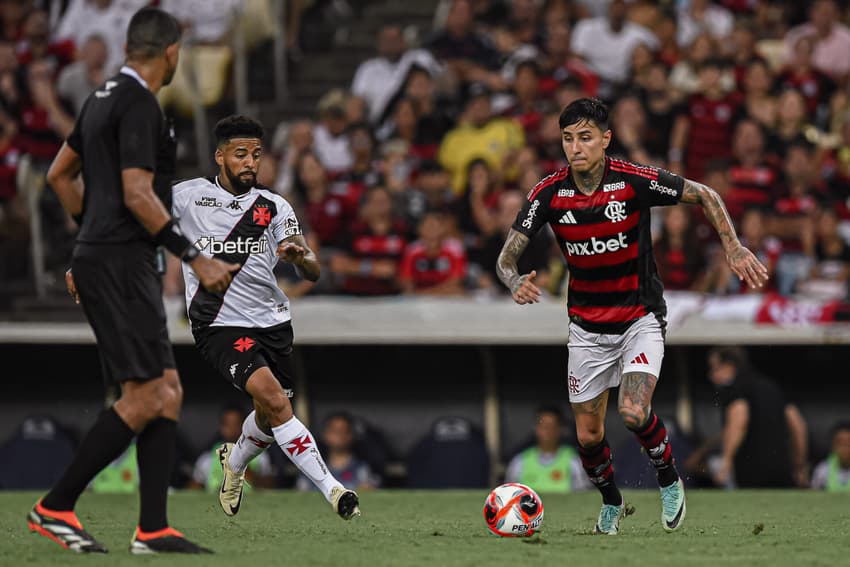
(447, 528)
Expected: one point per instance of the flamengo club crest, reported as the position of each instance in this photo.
(615, 211)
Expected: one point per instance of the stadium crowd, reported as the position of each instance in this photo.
(407, 181)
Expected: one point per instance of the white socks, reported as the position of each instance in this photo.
(251, 443)
(298, 444)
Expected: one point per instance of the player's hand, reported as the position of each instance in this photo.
(291, 252)
(527, 292)
(746, 266)
(215, 275)
(72, 289)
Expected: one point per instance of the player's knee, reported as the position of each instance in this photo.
(590, 436)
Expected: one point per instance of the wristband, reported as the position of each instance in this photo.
(171, 237)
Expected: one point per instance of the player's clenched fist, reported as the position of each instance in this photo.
(215, 275)
(526, 291)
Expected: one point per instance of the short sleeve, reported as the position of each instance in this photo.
(75, 138)
(657, 187)
(179, 200)
(138, 133)
(535, 211)
(286, 224)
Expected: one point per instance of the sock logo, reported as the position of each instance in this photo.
(298, 445)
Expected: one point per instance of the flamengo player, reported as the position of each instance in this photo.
(246, 333)
(599, 209)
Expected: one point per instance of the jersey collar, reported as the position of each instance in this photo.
(127, 70)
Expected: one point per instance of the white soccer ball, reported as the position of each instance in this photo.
(513, 510)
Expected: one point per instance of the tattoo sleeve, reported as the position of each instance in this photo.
(309, 267)
(715, 210)
(506, 265)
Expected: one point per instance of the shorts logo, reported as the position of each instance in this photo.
(233, 368)
(298, 445)
(243, 343)
(615, 211)
(664, 190)
(262, 216)
(608, 187)
(529, 219)
(640, 359)
(574, 383)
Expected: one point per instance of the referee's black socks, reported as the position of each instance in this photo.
(155, 448)
(104, 442)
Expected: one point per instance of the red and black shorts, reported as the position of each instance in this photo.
(237, 352)
(121, 293)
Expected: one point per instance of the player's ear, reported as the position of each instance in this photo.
(219, 157)
(606, 139)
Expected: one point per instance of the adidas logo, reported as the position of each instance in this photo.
(568, 218)
(640, 359)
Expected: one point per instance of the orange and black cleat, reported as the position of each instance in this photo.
(64, 528)
(167, 540)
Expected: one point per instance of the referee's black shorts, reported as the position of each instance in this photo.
(237, 352)
(121, 293)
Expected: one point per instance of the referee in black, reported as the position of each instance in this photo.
(125, 150)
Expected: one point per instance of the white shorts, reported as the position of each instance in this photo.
(597, 362)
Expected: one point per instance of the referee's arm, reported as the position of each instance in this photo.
(64, 177)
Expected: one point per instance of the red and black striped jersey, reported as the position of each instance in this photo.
(605, 238)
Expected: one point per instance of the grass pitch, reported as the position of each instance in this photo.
(446, 528)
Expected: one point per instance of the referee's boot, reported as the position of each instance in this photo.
(64, 528)
(230, 493)
(345, 502)
(167, 540)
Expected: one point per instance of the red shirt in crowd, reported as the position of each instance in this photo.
(366, 245)
(426, 270)
(710, 132)
(329, 218)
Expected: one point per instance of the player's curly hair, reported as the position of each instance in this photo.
(237, 126)
(585, 110)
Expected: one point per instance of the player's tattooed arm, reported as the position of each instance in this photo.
(522, 287)
(635, 401)
(743, 262)
(296, 251)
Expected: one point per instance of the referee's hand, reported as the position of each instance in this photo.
(215, 275)
(72, 289)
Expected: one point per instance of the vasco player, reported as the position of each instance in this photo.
(599, 209)
(125, 151)
(246, 333)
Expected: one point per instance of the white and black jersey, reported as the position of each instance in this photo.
(242, 229)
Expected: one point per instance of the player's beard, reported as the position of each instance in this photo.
(237, 181)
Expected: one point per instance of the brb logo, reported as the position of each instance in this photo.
(596, 246)
(529, 219)
(664, 190)
(239, 246)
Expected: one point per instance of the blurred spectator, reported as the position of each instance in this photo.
(764, 442)
(375, 245)
(513, 52)
(766, 248)
(330, 139)
(754, 180)
(36, 43)
(204, 21)
(431, 190)
(549, 466)
(704, 128)
(298, 139)
(832, 39)
(458, 45)
(381, 79)
(436, 263)
(740, 47)
(535, 257)
(665, 30)
(837, 165)
(329, 215)
(479, 135)
(791, 121)
(432, 121)
(642, 60)
(363, 173)
(699, 16)
(79, 79)
(759, 102)
(678, 254)
(107, 19)
(12, 14)
(338, 441)
(659, 105)
(686, 75)
(815, 86)
(831, 255)
(833, 474)
(793, 211)
(606, 43)
(629, 126)
(476, 207)
(9, 157)
(207, 473)
(561, 64)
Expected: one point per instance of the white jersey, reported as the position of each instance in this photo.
(241, 229)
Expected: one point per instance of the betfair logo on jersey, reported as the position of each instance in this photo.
(239, 246)
(664, 190)
(596, 246)
(613, 186)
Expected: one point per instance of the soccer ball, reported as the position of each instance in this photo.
(513, 510)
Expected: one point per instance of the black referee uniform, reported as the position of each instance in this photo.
(121, 126)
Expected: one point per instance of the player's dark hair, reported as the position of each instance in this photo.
(549, 410)
(237, 126)
(585, 110)
(150, 32)
(733, 355)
